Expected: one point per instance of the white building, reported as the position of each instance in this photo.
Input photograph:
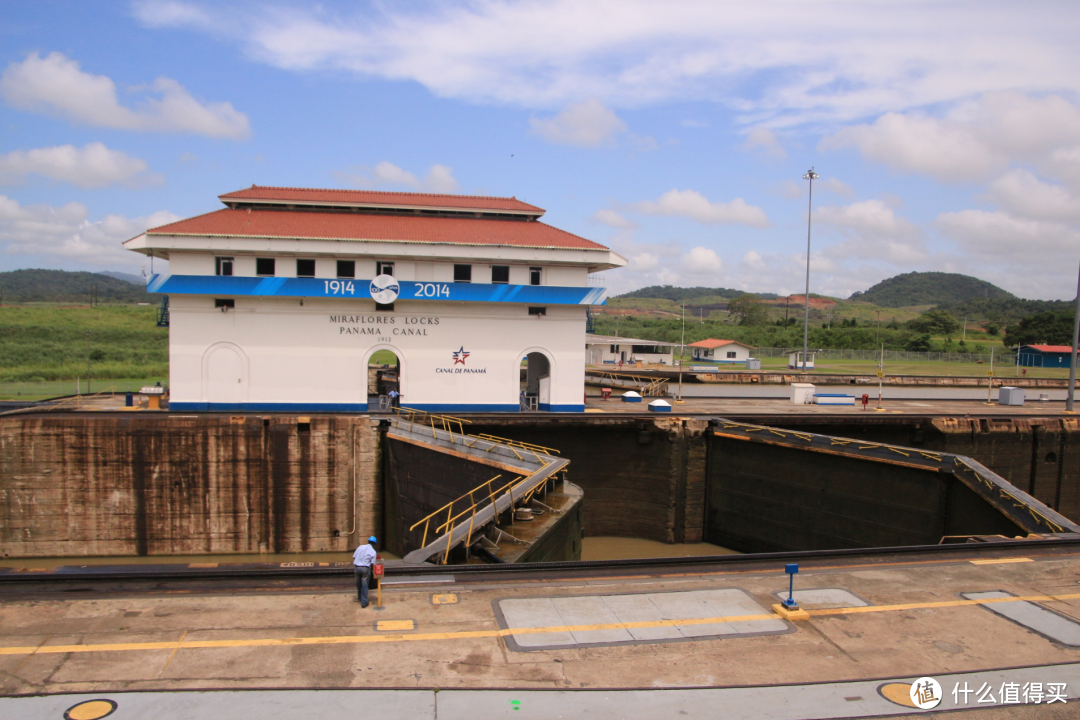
(280, 300)
(720, 351)
(609, 350)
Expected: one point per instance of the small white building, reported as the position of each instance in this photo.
(795, 360)
(720, 351)
(609, 350)
(280, 300)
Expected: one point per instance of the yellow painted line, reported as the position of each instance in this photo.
(999, 561)
(391, 625)
(469, 634)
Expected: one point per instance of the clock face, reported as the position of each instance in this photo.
(384, 289)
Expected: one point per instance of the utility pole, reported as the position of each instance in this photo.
(811, 176)
(964, 338)
(1076, 340)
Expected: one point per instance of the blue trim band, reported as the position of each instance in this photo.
(361, 290)
(267, 407)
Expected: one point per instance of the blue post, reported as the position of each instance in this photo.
(791, 569)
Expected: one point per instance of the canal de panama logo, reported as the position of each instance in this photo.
(385, 289)
(460, 355)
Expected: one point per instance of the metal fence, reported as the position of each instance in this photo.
(1005, 357)
(61, 388)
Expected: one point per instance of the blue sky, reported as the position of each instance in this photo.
(946, 134)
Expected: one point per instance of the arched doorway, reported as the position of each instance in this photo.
(384, 380)
(225, 377)
(536, 388)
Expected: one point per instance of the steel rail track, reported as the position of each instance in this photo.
(642, 564)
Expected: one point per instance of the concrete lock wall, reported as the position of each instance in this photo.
(73, 485)
(767, 498)
(642, 478)
(1040, 456)
(162, 485)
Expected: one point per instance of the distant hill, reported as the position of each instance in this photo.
(60, 286)
(680, 294)
(126, 277)
(930, 288)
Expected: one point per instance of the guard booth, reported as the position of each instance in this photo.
(153, 395)
(797, 362)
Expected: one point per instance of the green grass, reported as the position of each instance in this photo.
(61, 388)
(40, 343)
(927, 368)
(383, 357)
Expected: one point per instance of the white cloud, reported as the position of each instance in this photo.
(873, 232)
(643, 262)
(91, 166)
(66, 233)
(764, 142)
(973, 141)
(701, 260)
(585, 124)
(778, 60)
(1020, 192)
(692, 204)
(612, 219)
(440, 178)
(1032, 258)
(1021, 243)
(916, 143)
(56, 85)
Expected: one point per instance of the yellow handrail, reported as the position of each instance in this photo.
(77, 399)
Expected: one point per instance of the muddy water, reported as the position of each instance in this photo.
(592, 548)
(618, 548)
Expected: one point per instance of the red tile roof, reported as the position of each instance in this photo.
(1052, 348)
(372, 198)
(711, 343)
(369, 227)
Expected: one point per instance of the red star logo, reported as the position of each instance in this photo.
(460, 355)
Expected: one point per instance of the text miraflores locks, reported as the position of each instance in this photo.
(377, 324)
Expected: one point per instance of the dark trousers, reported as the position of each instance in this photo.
(363, 575)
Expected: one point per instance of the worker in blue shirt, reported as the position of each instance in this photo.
(362, 559)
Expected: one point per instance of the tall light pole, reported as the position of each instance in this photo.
(811, 176)
(1072, 360)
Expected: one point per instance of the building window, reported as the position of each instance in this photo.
(534, 276)
(614, 349)
(463, 273)
(387, 307)
(731, 354)
(346, 268)
(384, 268)
(500, 274)
(264, 267)
(305, 268)
(538, 311)
(224, 303)
(223, 266)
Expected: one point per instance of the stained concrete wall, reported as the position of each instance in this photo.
(1041, 456)
(642, 478)
(84, 485)
(768, 498)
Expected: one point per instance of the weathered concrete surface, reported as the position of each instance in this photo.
(1039, 455)
(770, 498)
(642, 478)
(76, 485)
